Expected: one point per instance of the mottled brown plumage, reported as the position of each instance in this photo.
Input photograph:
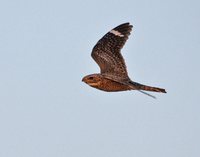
(107, 54)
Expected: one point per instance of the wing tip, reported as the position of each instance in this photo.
(122, 30)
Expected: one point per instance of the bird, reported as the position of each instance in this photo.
(113, 76)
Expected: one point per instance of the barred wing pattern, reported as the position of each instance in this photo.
(107, 53)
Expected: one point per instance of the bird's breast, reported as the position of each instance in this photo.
(110, 85)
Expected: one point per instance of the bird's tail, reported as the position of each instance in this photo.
(141, 88)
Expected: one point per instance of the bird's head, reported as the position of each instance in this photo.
(93, 80)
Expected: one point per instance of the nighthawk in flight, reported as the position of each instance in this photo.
(114, 76)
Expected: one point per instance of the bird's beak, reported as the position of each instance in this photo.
(83, 79)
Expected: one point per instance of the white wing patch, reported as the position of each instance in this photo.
(117, 33)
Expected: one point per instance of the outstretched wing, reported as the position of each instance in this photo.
(107, 53)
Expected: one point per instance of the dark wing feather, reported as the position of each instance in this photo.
(107, 53)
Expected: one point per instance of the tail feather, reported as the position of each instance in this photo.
(148, 88)
(147, 94)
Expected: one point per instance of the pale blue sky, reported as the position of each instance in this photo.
(45, 109)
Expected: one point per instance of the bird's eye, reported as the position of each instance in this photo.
(90, 78)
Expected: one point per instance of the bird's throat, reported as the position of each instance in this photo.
(94, 84)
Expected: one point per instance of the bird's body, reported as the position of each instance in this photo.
(114, 76)
(105, 83)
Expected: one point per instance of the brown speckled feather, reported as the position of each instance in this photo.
(107, 52)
